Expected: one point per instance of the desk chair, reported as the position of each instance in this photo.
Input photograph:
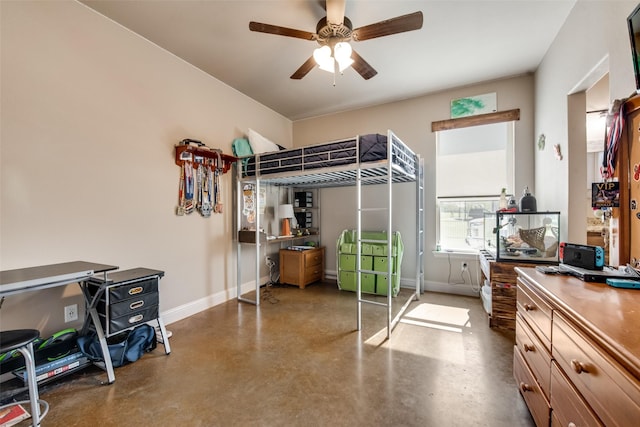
(22, 341)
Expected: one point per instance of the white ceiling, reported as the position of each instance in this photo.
(460, 43)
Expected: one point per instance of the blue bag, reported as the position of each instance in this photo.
(125, 347)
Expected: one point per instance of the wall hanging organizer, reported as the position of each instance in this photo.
(199, 186)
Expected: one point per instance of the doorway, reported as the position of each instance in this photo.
(597, 105)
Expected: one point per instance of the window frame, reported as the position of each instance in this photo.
(478, 120)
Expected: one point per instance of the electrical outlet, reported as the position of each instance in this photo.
(464, 266)
(71, 313)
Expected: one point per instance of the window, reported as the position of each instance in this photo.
(473, 164)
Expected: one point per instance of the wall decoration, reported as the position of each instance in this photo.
(605, 194)
(556, 148)
(199, 187)
(541, 141)
(473, 105)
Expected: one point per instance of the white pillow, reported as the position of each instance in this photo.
(260, 144)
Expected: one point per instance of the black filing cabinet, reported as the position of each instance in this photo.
(126, 298)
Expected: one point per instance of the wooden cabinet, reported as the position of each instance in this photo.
(577, 351)
(303, 267)
(624, 242)
(502, 278)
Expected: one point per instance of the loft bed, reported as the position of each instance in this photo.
(361, 160)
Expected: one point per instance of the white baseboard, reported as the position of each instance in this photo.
(450, 289)
(410, 283)
(182, 312)
(194, 307)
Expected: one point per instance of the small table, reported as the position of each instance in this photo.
(301, 267)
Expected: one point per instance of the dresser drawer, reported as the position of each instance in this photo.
(125, 308)
(112, 325)
(535, 354)
(131, 290)
(535, 311)
(312, 257)
(605, 385)
(313, 273)
(569, 408)
(536, 401)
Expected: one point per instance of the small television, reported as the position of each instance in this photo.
(633, 22)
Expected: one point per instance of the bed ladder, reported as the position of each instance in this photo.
(420, 237)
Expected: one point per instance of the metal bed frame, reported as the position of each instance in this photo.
(401, 165)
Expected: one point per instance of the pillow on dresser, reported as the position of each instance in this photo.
(260, 144)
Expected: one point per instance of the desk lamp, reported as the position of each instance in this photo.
(285, 212)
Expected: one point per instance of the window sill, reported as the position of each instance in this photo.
(455, 254)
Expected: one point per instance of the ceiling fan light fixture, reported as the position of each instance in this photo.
(342, 52)
(323, 58)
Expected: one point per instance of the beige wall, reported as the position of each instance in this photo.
(411, 121)
(593, 41)
(90, 116)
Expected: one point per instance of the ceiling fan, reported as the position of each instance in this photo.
(333, 34)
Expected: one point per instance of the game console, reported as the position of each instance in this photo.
(583, 256)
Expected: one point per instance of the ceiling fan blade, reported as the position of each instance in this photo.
(362, 67)
(400, 24)
(304, 69)
(335, 11)
(280, 31)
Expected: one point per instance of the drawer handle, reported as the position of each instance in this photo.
(529, 307)
(136, 319)
(525, 387)
(136, 304)
(578, 366)
(136, 290)
(528, 347)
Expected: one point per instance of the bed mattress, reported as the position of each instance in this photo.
(360, 149)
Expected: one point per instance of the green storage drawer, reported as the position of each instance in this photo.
(347, 282)
(347, 248)
(367, 249)
(348, 262)
(380, 264)
(381, 285)
(368, 283)
(379, 250)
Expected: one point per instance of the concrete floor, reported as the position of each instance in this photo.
(297, 360)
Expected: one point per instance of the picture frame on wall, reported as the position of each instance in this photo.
(474, 105)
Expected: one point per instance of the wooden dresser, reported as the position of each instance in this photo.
(577, 352)
(301, 268)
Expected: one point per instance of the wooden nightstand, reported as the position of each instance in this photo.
(301, 267)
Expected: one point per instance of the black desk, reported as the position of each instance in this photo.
(48, 276)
